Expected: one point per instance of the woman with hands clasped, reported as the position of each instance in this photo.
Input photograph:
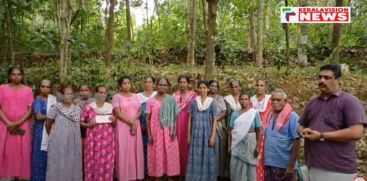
(130, 155)
(163, 152)
(15, 126)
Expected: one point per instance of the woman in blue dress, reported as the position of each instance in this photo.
(203, 158)
(39, 143)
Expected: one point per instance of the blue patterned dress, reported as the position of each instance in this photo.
(39, 157)
(143, 123)
(203, 160)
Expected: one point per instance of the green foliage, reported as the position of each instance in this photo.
(163, 40)
(4, 74)
(280, 60)
(356, 34)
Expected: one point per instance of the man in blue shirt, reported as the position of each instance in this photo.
(282, 140)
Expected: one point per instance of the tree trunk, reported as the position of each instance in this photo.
(54, 6)
(65, 18)
(302, 39)
(3, 51)
(129, 28)
(106, 11)
(156, 8)
(192, 33)
(147, 13)
(260, 40)
(9, 31)
(109, 33)
(205, 9)
(210, 38)
(286, 30)
(337, 29)
(83, 19)
(268, 16)
(337, 32)
(252, 36)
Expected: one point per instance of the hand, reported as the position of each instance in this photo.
(311, 135)
(131, 122)
(133, 130)
(212, 141)
(92, 124)
(304, 132)
(13, 129)
(301, 131)
(11, 124)
(289, 173)
(189, 140)
(256, 151)
(113, 120)
(229, 149)
(150, 140)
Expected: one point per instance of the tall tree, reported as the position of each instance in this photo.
(204, 10)
(260, 36)
(147, 15)
(252, 35)
(129, 28)
(9, 30)
(210, 38)
(109, 33)
(286, 30)
(65, 17)
(192, 33)
(302, 39)
(337, 32)
(268, 13)
(106, 11)
(157, 12)
(83, 19)
(251, 38)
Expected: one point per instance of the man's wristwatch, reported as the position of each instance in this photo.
(322, 137)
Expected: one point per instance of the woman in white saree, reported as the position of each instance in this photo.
(244, 137)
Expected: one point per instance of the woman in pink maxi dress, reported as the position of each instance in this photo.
(129, 141)
(163, 153)
(183, 98)
(15, 110)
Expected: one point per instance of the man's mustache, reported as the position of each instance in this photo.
(321, 85)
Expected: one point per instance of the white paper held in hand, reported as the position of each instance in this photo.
(103, 118)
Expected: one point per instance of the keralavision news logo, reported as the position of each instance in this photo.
(315, 15)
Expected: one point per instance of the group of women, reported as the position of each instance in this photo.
(191, 135)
